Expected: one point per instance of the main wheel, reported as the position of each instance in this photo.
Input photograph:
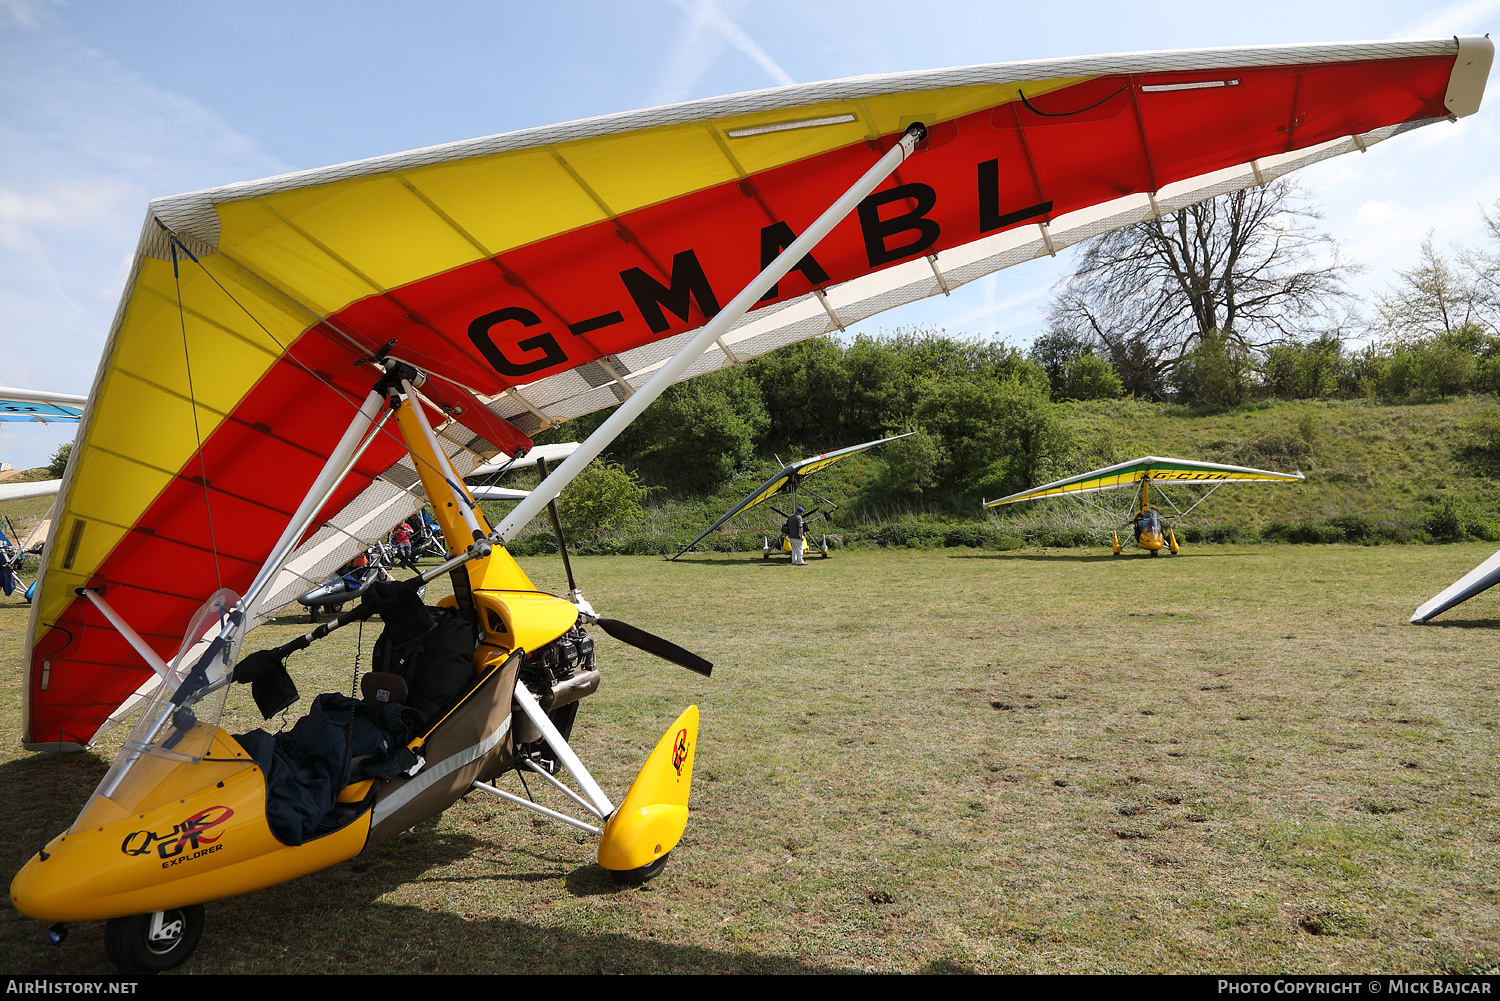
(635, 877)
(131, 945)
(312, 613)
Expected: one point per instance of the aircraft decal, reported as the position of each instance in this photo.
(680, 750)
(42, 413)
(172, 845)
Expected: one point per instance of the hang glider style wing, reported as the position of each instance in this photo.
(539, 275)
(30, 405)
(786, 480)
(1481, 578)
(1153, 467)
(552, 453)
(499, 493)
(35, 488)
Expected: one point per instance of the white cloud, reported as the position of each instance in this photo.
(1463, 17)
(704, 35)
(84, 145)
(1373, 213)
(23, 12)
(26, 215)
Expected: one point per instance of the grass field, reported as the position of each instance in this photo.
(1239, 759)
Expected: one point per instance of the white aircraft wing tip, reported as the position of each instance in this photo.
(1471, 70)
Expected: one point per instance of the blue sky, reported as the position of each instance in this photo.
(105, 105)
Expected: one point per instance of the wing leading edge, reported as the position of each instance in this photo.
(1154, 467)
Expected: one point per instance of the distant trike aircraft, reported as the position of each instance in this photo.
(787, 480)
(1151, 532)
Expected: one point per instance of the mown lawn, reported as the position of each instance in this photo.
(1239, 759)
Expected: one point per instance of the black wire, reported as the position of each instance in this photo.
(285, 350)
(213, 545)
(1067, 114)
(359, 641)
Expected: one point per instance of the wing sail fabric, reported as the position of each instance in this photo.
(550, 271)
(1157, 468)
(1476, 581)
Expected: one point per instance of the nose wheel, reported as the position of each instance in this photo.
(150, 943)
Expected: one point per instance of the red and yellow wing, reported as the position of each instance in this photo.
(553, 269)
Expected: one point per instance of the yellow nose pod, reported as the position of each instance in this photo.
(651, 820)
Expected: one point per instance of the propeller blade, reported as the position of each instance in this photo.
(665, 649)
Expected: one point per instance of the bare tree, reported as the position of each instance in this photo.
(1248, 267)
(1434, 297)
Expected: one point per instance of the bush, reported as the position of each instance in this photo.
(59, 461)
(911, 464)
(1089, 378)
(603, 498)
(1216, 373)
(1447, 522)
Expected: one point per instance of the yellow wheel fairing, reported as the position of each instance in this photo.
(650, 821)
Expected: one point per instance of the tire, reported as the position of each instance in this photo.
(128, 945)
(635, 877)
(312, 613)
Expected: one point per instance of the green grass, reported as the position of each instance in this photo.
(1240, 759)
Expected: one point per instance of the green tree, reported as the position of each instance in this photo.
(698, 432)
(912, 464)
(1054, 351)
(1088, 378)
(1431, 298)
(803, 387)
(59, 460)
(604, 498)
(996, 434)
(1304, 371)
(1215, 373)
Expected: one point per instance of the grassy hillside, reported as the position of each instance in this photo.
(1393, 463)
(1395, 466)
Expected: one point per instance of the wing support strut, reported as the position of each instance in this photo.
(132, 637)
(338, 466)
(707, 334)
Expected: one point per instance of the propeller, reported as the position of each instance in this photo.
(622, 631)
(665, 649)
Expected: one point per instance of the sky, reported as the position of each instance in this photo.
(106, 105)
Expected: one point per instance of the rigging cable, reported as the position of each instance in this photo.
(187, 360)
